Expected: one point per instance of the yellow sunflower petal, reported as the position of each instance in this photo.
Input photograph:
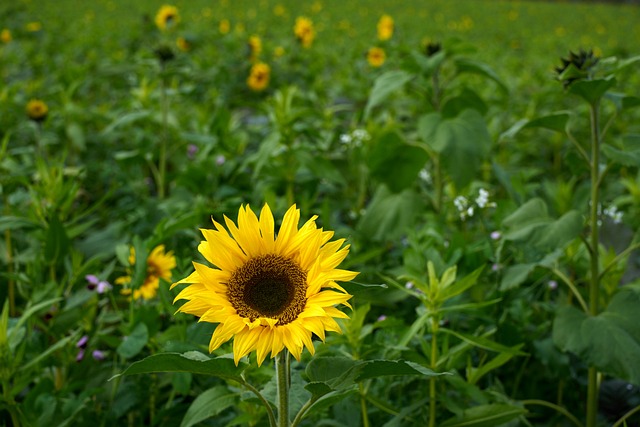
(267, 228)
(244, 342)
(263, 345)
(287, 229)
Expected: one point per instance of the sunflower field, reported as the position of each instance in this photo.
(356, 213)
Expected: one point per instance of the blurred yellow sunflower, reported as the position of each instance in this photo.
(33, 27)
(255, 47)
(224, 27)
(183, 44)
(385, 27)
(304, 31)
(37, 110)
(268, 291)
(159, 266)
(259, 76)
(376, 56)
(5, 35)
(167, 17)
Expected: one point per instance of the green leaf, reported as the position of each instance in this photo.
(485, 343)
(532, 210)
(43, 355)
(191, 361)
(609, 341)
(459, 286)
(492, 415)
(378, 368)
(140, 267)
(462, 141)
(394, 162)
(556, 122)
(135, 342)
(465, 65)
(514, 275)
(15, 223)
(126, 119)
(629, 155)
(561, 231)
(208, 404)
(56, 241)
(384, 86)
(389, 215)
(466, 99)
(475, 374)
(592, 90)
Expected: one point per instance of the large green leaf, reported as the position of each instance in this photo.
(208, 404)
(394, 162)
(191, 361)
(134, 342)
(465, 65)
(555, 121)
(592, 90)
(492, 415)
(384, 86)
(609, 341)
(463, 142)
(628, 154)
(389, 215)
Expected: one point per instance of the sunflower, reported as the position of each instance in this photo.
(37, 110)
(5, 35)
(259, 76)
(255, 47)
(376, 56)
(385, 27)
(167, 17)
(159, 266)
(268, 292)
(304, 31)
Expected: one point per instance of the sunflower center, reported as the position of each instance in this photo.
(268, 286)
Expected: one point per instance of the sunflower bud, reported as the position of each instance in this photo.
(37, 110)
(431, 48)
(577, 66)
(164, 53)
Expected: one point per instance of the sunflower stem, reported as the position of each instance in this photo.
(284, 380)
(162, 162)
(434, 365)
(594, 284)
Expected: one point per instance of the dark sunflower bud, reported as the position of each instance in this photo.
(164, 53)
(431, 48)
(577, 66)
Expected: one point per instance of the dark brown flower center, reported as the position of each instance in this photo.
(268, 286)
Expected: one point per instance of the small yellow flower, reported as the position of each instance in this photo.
(159, 266)
(224, 27)
(255, 47)
(376, 56)
(33, 27)
(385, 27)
(167, 17)
(268, 291)
(183, 44)
(259, 75)
(279, 10)
(304, 31)
(5, 36)
(37, 110)
(278, 51)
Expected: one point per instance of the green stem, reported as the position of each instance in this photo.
(283, 377)
(434, 364)
(559, 409)
(302, 412)
(10, 282)
(363, 405)
(162, 162)
(594, 285)
(267, 405)
(625, 416)
(618, 257)
(573, 288)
